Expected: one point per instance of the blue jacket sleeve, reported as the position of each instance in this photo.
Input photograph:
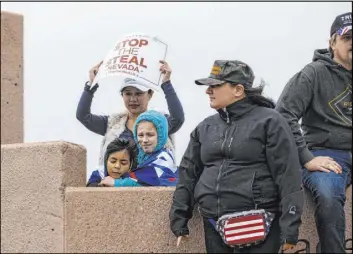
(95, 123)
(126, 182)
(176, 118)
(94, 180)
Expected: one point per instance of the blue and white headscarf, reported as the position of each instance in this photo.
(159, 167)
(160, 123)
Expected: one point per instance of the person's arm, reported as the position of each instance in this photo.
(283, 162)
(126, 182)
(95, 123)
(292, 104)
(176, 117)
(94, 179)
(190, 170)
(93, 184)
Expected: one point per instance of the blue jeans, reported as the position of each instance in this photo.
(328, 191)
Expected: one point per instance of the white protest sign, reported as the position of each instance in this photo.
(135, 56)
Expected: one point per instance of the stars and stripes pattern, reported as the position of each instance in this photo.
(158, 170)
(246, 228)
(344, 30)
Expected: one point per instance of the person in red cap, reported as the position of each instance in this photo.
(321, 96)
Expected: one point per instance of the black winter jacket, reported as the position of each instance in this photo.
(242, 158)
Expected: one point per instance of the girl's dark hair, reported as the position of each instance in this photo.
(255, 95)
(120, 144)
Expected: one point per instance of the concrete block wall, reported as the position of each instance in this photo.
(33, 179)
(44, 208)
(11, 78)
(308, 228)
(124, 220)
(132, 220)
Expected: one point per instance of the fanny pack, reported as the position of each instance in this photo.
(244, 229)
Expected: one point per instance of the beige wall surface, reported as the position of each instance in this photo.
(130, 220)
(125, 220)
(35, 218)
(11, 78)
(308, 227)
(33, 180)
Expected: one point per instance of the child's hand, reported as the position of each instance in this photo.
(107, 181)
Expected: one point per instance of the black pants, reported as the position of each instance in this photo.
(215, 244)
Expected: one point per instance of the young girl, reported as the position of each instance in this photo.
(119, 159)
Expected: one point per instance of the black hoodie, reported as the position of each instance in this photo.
(321, 95)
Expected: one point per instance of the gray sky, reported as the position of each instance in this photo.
(63, 41)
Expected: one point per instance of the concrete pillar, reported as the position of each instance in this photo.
(11, 78)
(33, 180)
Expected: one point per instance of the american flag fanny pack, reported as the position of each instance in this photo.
(244, 229)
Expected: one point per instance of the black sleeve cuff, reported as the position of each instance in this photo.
(305, 156)
(180, 232)
(289, 240)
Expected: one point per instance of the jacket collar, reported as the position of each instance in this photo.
(236, 109)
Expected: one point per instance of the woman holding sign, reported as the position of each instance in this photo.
(136, 96)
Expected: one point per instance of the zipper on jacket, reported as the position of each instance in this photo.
(252, 185)
(217, 187)
(224, 141)
(230, 142)
(225, 154)
(229, 146)
(227, 114)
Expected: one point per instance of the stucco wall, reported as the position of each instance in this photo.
(130, 220)
(11, 78)
(33, 179)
